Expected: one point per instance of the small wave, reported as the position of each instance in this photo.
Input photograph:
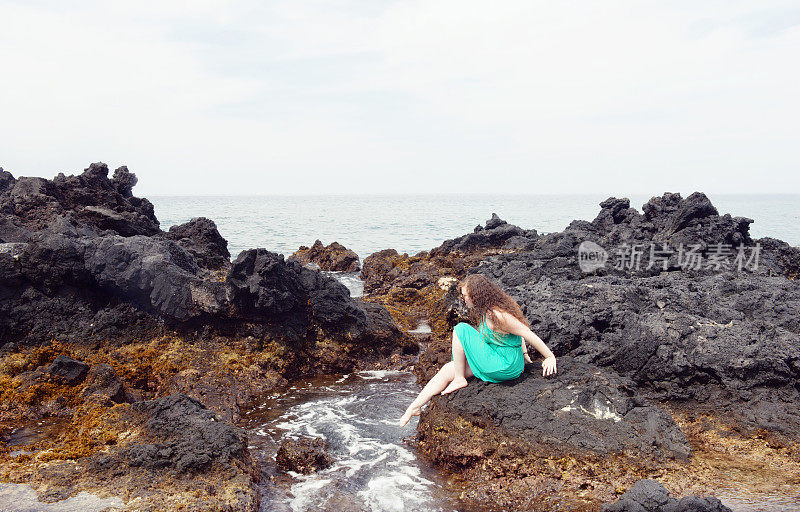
(377, 374)
(372, 469)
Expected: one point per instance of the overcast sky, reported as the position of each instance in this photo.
(259, 97)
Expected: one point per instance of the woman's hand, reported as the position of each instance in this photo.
(526, 356)
(549, 366)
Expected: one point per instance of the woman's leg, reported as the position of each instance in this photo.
(460, 366)
(434, 386)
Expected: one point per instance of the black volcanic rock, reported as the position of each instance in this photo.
(496, 233)
(156, 274)
(124, 181)
(90, 198)
(81, 256)
(6, 180)
(201, 239)
(726, 339)
(184, 436)
(68, 370)
(260, 284)
(670, 219)
(580, 408)
(51, 260)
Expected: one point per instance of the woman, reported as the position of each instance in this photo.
(494, 352)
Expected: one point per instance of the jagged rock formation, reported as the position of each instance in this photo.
(686, 326)
(91, 199)
(201, 239)
(332, 257)
(82, 257)
(726, 339)
(147, 343)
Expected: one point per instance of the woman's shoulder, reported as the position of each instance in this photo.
(498, 321)
(498, 312)
(504, 321)
(500, 316)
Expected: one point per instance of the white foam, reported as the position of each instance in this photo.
(422, 328)
(376, 374)
(399, 490)
(351, 280)
(305, 493)
(369, 464)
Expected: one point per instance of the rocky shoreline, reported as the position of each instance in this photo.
(142, 316)
(146, 344)
(662, 368)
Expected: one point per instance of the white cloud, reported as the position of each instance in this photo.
(440, 95)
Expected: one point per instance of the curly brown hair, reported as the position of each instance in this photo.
(486, 294)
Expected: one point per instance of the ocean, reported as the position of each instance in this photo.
(413, 223)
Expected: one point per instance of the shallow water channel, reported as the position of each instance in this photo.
(374, 468)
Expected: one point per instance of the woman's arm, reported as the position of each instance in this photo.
(512, 324)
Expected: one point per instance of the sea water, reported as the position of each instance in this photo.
(374, 467)
(414, 223)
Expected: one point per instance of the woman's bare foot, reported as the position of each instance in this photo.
(412, 410)
(457, 383)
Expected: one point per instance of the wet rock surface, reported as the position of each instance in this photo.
(304, 455)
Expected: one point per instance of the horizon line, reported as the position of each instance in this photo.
(515, 194)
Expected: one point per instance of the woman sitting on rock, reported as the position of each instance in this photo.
(494, 352)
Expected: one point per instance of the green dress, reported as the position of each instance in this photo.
(492, 356)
